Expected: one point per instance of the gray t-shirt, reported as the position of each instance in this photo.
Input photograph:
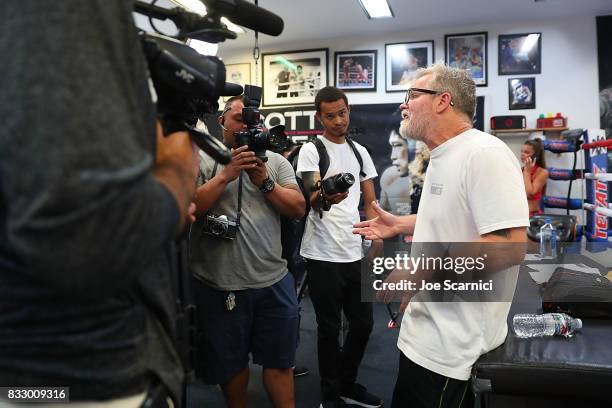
(253, 259)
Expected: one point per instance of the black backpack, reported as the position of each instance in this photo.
(292, 230)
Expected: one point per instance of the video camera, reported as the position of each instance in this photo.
(188, 84)
(255, 135)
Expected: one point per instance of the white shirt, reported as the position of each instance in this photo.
(473, 186)
(331, 238)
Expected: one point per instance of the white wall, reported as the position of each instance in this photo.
(568, 82)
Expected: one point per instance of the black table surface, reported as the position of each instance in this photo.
(580, 366)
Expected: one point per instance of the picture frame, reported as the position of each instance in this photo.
(355, 70)
(468, 51)
(521, 93)
(293, 77)
(403, 59)
(519, 54)
(238, 74)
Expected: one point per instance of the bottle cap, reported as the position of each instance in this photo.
(558, 115)
(541, 116)
(549, 115)
(578, 323)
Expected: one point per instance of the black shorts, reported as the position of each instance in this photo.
(264, 323)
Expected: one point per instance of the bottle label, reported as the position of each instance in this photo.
(560, 326)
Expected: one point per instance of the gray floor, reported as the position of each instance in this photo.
(377, 371)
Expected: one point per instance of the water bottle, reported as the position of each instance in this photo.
(548, 324)
(548, 240)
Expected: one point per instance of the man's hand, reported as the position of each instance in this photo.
(242, 159)
(381, 227)
(336, 198)
(258, 173)
(176, 167)
(403, 296)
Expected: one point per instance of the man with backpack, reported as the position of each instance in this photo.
(333, 253)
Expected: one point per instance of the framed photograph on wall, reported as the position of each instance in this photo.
(520, 54)
(355, 70)
(468, 51)
(237, 74)
(521, 93)
(293, 77)
(402, 60)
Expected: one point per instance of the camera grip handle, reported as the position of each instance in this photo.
(213, 147)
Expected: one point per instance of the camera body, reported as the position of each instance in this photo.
(220, 226)
(339, 183)
(256, 136)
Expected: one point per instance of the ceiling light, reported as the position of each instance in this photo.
(376, 8)
(196, 6)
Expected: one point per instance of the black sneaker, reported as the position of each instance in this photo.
(299, 371)
(357, 394)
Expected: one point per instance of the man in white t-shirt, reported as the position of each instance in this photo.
(334, 254)
(473, 192)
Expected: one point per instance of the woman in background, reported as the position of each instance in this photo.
(535, 174)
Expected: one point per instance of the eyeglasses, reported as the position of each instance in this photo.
(410, 95)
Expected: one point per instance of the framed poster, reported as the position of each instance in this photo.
(519, 54)
(237, 74)
(355, 70)
(521, 93)
(293, 77)
(468, 51)
(402, 60)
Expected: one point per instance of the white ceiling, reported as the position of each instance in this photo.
(325, 19)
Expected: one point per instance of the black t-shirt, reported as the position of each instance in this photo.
(84, 227)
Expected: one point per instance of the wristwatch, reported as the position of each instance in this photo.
(267, 185)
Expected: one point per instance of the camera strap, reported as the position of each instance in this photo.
(239, 212)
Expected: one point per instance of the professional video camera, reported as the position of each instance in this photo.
(255, 136)
(188, 84)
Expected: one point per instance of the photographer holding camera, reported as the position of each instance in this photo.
(91, 198)
(333, 253)
(245, 297)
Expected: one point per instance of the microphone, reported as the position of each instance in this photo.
(231, 89)
(190, 25)
(248, 15)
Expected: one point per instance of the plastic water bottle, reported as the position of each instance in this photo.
(548, 324)
(548, 240)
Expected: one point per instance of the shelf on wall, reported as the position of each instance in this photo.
(528, 130)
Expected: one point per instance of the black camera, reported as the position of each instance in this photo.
(220, 226)
(339, 183)
(255, 135)
(188, 86)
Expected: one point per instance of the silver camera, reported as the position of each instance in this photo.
(220, 226)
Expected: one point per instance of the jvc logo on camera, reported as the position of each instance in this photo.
(185, 76)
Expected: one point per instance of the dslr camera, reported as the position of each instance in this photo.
(220, 226)
(339, 183)
(255, 135)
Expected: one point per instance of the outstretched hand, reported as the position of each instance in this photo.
(381, 227)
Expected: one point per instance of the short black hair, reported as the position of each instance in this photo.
(329, 94)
